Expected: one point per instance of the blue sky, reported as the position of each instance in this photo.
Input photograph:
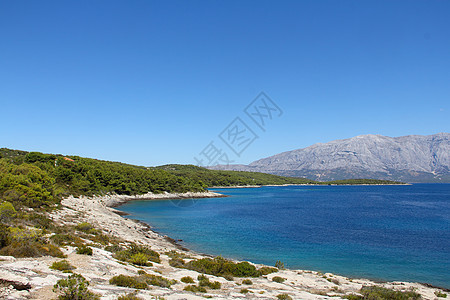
(154, 82)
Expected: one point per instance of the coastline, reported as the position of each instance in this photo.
(100, 211)
(117, 200)
(235, 187)
(306, 184)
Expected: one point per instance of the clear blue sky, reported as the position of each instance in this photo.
(153, 82)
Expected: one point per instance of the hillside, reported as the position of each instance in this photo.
(213, 178)
(411, 158)
(34, 179)
(218, 178)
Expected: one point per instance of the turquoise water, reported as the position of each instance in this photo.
(376, 232)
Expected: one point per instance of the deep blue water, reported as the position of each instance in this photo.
(376, 232)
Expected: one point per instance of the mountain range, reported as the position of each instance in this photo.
(412, 158)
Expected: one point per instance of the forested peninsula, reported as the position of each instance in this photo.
(34, 179)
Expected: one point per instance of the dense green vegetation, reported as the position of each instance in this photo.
(138, 255)
(205, 282)
(34, 178)
(129, 281)
(213, 178)
(130, 296)
(362, 181)
(85, 250)
(142, 281)
(268, 270)
(278, 279)
(62, 265)
(187, 279)
(195, 289)
(440, 294)
(220, 266)
(74, 287)
(376, 292)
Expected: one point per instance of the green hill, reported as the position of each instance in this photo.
(230, 178)
(34, 179)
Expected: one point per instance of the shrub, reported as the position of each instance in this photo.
(244, 291)
(245, 269)
(157, 280)
(204, 281)
(128, 281)
(175, 254)
(222, 267)
(4, 236)
(7, 212)
(66, 239)
(125, 255)
(267, 270)
(74, 287)
(130, 296)
(40, 221)
(215, 285)
(84, 226)
(284, 297)
(84, 250)
(376, 292)
(177, 262)
(228, 277)
(152, 255)
(279, 265)
(247, 282)
(62, 265)
(139, 259)
(99, 237)
(25, 235)
(113, 248)
(440, 294)
(278, 279)
(194, 289)
(31, 249)
(187, 279)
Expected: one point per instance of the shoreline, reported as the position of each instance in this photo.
(307, 184)
(99, 268)
(117, 200)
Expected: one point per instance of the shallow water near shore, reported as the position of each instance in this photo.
(377, 232)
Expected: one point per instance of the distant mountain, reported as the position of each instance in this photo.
(412, 158)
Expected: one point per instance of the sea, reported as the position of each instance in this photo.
(379, 232)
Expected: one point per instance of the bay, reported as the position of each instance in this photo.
(377, 232)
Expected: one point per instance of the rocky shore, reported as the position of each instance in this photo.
(31, 278)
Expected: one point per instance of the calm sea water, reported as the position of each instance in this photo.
(376, 232)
